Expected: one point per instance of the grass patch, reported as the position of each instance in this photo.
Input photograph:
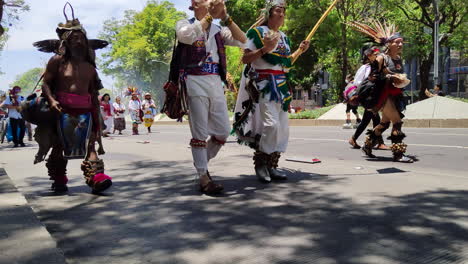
(311, 114)
(465, 100)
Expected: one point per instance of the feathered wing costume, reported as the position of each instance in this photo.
(57, 46)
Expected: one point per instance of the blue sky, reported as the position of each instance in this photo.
(40, 22)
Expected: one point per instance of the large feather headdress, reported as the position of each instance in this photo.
(380, 33)
(63, 31)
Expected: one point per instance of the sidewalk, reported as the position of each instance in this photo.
(23, 238)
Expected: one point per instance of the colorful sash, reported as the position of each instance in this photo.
(277, 87)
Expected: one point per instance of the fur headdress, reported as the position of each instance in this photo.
(380, 33)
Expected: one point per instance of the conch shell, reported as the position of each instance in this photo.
(401, 80)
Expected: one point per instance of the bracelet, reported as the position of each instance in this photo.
(209, 19)
(226, 22)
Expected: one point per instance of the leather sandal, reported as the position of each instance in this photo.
(211, 188)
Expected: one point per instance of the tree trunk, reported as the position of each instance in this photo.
(344, 56)
(2, 30)
(424, 75)
(344, 7)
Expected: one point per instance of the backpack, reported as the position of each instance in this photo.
(175, 102)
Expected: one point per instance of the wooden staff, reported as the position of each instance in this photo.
(311, 34)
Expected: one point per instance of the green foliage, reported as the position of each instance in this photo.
(465, 100)
(141, 46)
(311, 114)
(28, 80)
(9, 13)
(231, 98)
(107, 91)
(234, 63)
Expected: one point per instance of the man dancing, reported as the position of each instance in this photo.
(71, 86)
(261, 117)
(387, 73)
(202, 61)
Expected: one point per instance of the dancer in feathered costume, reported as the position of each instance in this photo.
(387, 80)
(71, 85)
(261, 113)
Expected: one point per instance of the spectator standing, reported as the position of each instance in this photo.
(119, 115)
(107, 114)
(12, 103)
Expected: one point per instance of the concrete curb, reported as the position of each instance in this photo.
(23, 238)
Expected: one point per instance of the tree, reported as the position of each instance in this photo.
(9, 10)
(141, 46)
(28, 80)
(414, 16)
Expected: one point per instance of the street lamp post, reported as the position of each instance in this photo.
(436, 41)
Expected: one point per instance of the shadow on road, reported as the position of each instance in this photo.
(156, 215)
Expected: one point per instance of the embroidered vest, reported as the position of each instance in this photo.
(191, 58)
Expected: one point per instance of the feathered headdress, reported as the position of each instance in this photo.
(265, 12)
(380, 33)
(63, 31)
(132, 90)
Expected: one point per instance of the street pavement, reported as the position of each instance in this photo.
(347, 209)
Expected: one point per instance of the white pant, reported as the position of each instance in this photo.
(208, 117)
(109, 122)
(275, 132)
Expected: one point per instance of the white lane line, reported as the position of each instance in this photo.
(417, 145)
(407, 129)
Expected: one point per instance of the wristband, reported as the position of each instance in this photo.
(226, 22)
(209, 19)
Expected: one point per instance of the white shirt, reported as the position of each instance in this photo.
(147, 103)
(206, 85)
(134, 105)
(118, 107)
(13, 113)
(362, 74)
(261, 64)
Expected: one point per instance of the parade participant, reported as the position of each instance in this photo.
(202, 54)
(261, 117)
(16, 121)
(134, 108)
(349, 107)
(107, 114)
(387, 74)
(148, 107)
(71, 86)
(119, 115)
(363, 72)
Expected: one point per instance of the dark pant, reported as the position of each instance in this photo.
(352, 108)
(368, 116)
(15, 124)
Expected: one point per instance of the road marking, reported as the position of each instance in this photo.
(407, 129)
(418, 145)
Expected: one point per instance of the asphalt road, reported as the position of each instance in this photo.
(347, 209)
